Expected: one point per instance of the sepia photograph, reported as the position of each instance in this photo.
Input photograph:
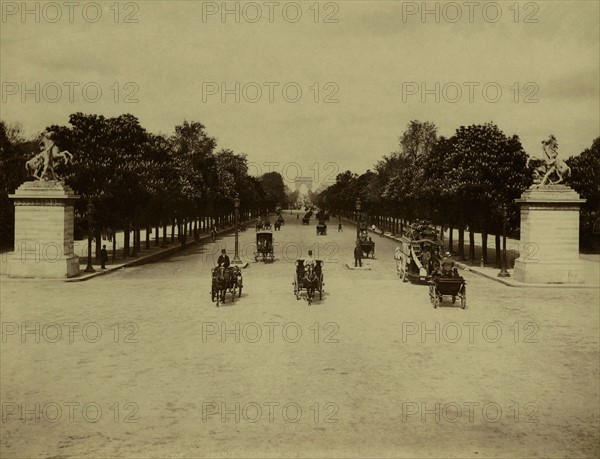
(300, 229)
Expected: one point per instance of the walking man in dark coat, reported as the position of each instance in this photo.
(357, 255)
(223, 259)
(103, 257)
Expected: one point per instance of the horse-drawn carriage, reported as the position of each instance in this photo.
(418, 254)
(366, 244)
(445, 281)
(308, 278)
(321, 228)
(226, 280)
(279, 223)
(263, 224)
(264, 246)
(306, 218)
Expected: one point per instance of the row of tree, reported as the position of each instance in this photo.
(466, 182)
(129, 178)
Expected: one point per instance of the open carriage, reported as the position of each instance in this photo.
(264, 246)
(445, 281)
(366, 244)
(308, 279)
(418, 254)
(321, 228)
(226, 280)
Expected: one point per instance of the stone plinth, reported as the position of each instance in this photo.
(549, 248)
(44, 219)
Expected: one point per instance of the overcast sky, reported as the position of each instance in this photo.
(375, 59)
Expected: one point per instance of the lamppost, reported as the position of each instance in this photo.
(236, 256)
(358, 204)
(89, 268)
(504, 272)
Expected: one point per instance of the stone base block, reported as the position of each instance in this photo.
(548, 272)
(61, 268)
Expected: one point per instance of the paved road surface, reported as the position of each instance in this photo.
(371, 370)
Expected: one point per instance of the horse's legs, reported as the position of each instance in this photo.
(552, 169)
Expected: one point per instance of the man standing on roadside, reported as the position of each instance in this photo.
(357, 255)
(103, 257)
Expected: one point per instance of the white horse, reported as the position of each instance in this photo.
(41, 166)
(553, 163)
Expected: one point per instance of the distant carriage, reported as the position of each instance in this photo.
(306, 218)
(308, 279)
(321, 228)
(264, 247)
(367, 246)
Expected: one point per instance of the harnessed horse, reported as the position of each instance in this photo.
(310, 281)
(220, 279)
(234, 281)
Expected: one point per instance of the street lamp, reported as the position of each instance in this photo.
(236, 256)
(89, 268)
(504, 272)
(358, 204)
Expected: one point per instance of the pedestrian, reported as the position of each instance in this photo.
(223, 259)
(103, 257)
(340, 230)
(357, 255)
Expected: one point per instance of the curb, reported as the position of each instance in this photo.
(508, 283)
(165, 253)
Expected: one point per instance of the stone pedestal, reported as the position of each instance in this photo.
(44, 219)
(549, 248)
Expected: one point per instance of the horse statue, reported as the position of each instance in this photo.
(310, 281)
(552, 164)
(41, 166)
(220, 279)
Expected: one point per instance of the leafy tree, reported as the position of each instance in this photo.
(585, 179)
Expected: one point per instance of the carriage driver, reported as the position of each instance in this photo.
(309, 260)
(223, 259)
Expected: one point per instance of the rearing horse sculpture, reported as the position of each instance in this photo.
(551, 164)
(41, 166)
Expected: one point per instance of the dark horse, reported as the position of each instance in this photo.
(277, 226)
(220, 279)
(234, 283)
(310, 281)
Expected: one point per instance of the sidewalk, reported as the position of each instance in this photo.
(591, 264)
(148, 256)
